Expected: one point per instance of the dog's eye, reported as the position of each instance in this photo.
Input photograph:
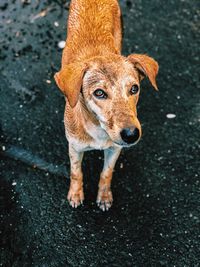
(99, 93)
(134, 89)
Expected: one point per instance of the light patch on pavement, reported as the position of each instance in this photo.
(171, 116)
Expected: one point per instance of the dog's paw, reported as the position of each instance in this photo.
(104, 199)
(75, 198)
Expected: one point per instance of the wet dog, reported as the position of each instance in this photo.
(102, 89)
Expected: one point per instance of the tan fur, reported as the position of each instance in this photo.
(91, 60)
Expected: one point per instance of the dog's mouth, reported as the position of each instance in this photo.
(123, 144)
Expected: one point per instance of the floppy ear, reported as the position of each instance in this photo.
(69, 80)
(145, 65)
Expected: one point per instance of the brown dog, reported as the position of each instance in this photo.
(102, 90)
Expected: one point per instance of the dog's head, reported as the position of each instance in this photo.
(110, 87)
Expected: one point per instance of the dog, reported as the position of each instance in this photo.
(101, 89)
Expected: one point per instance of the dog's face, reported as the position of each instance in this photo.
(111, 91)
(110, 88)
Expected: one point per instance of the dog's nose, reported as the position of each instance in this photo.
(130, 135)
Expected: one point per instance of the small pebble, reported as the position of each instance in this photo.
(61, 44)
(14, 183)
(56, 24)
(48, 81)
(171, 116)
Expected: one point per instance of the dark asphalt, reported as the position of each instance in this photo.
(155, 218)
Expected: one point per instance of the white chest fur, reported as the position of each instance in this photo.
(99, 138)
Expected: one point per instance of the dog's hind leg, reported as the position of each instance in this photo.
(104, 197)
(75, 195)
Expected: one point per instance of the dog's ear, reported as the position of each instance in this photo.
(69, 80)
(146, 66)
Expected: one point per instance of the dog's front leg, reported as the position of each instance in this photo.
(104, 197)
(75, 195)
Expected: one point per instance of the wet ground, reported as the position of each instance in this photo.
(155, 218)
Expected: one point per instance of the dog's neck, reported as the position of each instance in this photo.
(84, 53)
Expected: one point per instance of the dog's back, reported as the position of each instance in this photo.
(93, 28)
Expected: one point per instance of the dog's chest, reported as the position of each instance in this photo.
(98, 139)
